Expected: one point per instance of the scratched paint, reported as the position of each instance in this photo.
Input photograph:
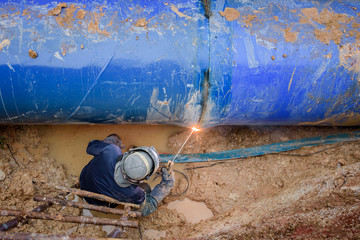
(81, 48)
(318, 72)
(4, 43)
(159, 109)
(250, 53)
(144, 62)
(291, 79)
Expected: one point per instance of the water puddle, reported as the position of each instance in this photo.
(152, 234)
(193, 211)
(67, 143)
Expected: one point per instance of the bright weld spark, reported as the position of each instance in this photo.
(194, 129)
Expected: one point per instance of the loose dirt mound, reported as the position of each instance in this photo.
(302, 195)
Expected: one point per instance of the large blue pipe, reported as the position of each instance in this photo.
(180, 62)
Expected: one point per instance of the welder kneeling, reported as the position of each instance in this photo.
(119, 175)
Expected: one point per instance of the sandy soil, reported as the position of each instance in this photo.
(278, 196)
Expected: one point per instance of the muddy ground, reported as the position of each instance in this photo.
(311, 193)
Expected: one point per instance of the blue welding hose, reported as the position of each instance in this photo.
(263, 149)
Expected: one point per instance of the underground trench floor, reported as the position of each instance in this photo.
(307, 193)
(75, 138)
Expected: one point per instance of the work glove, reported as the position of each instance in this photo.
(163, 189)
(167, 176)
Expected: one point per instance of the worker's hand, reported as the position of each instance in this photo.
(163, 189)
(167, 175)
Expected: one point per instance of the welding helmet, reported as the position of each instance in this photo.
(136, 165)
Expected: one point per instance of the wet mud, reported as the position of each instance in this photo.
(307, 193)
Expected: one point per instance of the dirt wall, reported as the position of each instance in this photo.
(307, 193)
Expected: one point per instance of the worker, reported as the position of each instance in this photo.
(119, 175)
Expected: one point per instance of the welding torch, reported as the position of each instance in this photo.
(171, 162)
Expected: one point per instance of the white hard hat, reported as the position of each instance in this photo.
(136, 165)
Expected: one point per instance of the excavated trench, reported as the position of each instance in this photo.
(312, 192)
(297, 58)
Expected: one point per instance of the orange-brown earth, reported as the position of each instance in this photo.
(295, 195)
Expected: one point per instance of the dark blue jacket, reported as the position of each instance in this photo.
(98, 175)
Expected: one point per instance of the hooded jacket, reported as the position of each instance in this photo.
(98, 175)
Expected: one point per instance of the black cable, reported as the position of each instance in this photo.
(286, 154)
(222, 162)
(12, 155)
(140, 233)
(313, 153)
(205, 166)
(187, 187)
(237, 159)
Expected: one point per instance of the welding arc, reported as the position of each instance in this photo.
(172, 161)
